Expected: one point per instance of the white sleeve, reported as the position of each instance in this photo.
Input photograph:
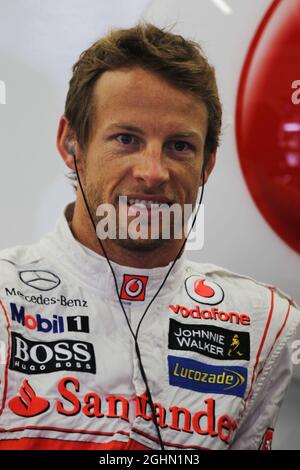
(256, 430)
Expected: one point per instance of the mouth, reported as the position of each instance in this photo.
(143, 202)
(156, 212)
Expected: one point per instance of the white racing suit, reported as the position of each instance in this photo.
(215, 346)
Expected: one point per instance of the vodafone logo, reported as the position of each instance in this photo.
(134, 287)
(39, 279)
(28, 403)
(204, 291)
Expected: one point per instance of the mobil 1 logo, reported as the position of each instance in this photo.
(41, 357)
(50, 323)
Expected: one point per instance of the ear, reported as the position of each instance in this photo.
(209, 167)
(67, 145)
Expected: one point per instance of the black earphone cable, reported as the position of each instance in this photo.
(142, 370)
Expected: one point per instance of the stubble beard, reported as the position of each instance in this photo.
(128, 243)
(94, 199)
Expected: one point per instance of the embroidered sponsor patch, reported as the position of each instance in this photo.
(70, 397)
(212, 313)
(133, 287)
(206, 378)
(27, 403)
(208, 340)
(39, 279)
(41, 357)
(203, 290)
(44, 323)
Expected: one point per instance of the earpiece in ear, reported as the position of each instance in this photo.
(70, 147)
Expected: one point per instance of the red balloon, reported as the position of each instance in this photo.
(268, 119)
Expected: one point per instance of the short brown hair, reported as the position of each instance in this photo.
(180, 61)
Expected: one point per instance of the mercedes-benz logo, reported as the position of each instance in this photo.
(39, 279)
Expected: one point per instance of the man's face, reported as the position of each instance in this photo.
(138, 149)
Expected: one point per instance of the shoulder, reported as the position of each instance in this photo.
(272, 319)
(15, 260)
(274, 314)
(237, 283)
(18, 254)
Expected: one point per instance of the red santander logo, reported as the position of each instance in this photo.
(203, 290)
(28, 403)
(134, 287)
(72, 400)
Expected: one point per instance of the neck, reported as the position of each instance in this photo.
(84, 232)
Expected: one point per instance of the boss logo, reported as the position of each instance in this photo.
(40, 357)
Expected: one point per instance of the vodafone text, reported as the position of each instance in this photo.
(211, 314)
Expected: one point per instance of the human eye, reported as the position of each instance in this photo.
(181, 146)
(125, 138)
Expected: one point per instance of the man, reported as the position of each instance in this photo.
(121, 342)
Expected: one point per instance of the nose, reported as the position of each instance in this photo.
(151, 168)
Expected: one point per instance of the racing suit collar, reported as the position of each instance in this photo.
(90, 269)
